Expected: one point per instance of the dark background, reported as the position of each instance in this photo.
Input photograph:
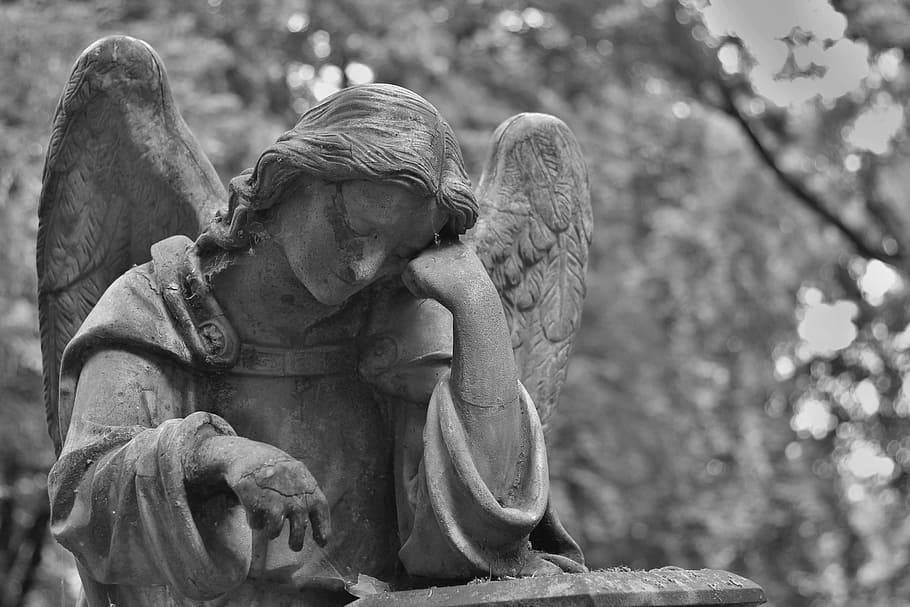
(737, 396)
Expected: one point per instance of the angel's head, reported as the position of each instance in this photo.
(362, 183)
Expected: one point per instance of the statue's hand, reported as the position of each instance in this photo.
(452, 274)
(275, 487)
(271, 485)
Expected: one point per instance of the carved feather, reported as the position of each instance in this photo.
(122, 172)
(533, 236)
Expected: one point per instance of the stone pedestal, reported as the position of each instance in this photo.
(669, 587)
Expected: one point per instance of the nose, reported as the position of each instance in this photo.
(366, 263)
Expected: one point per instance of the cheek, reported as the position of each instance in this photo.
(318, 261)
(318, 265)
(303, 252)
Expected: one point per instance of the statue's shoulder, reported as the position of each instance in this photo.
(133, 314)
(130, 316)
(164, 308)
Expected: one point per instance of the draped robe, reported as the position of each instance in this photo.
(365, 403)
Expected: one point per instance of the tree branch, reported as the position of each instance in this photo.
(868, 178)
(798, 189)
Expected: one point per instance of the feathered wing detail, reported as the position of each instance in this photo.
(122, 172)
(533, 235)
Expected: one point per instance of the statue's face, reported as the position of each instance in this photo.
(340, 237)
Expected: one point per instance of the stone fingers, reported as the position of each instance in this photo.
(265, 507)
(271, 494)
(319, 516)
(275, 515)
(309, 508)
(297, 518)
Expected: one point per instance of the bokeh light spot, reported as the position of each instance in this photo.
(865, 462)
(876, 126)
(878, 280)
(828, 328)
(866, 394)
(852, 163)
(322, 46)
(298, 22)
(681, 110)
(359, 73)
(813, 418)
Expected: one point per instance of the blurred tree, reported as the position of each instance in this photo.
(737, 396)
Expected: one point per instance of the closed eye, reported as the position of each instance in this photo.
(360, 231)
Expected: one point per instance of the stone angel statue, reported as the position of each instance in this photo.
(339, 379)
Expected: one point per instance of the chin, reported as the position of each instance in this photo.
(329, 297)
(334, 293)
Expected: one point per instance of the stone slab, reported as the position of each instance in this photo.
(667, 587)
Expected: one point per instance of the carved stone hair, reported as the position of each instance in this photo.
(375, 132)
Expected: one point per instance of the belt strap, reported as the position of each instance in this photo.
(272, 361)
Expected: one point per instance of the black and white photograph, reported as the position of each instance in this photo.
(454, 303)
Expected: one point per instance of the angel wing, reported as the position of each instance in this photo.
(122, 172)
(533, 235)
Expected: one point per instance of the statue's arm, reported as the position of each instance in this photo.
(118, 492)
(470, 458)
(484, 380)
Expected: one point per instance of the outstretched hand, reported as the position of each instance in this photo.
(271, 485)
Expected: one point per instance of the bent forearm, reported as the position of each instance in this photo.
(484, 381)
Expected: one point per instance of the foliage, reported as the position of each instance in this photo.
(705, 422)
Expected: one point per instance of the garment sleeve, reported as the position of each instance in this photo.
(458, 528)
(118, 499)
(450, 524)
